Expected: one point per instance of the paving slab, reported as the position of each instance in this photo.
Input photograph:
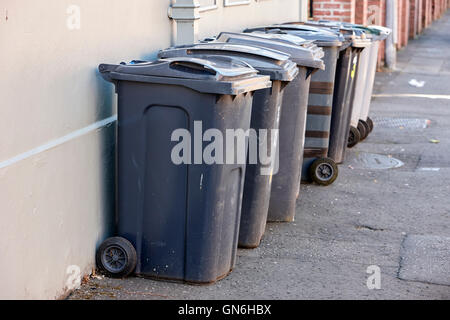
(426, 259)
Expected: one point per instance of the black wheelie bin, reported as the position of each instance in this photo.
(308, 56)
(346, 73)
(178, 216)
(317, 166)
(263, 140)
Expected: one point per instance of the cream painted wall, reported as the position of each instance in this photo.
(57, 206)
(237, 18)
(56, 179)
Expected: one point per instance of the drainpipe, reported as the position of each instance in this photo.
(303, 11)
(391, 22)
(186, 15)
(416, 19)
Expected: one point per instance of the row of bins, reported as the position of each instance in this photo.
(214, 139)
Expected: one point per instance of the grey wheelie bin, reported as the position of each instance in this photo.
(364, 83)
(317, 166)
(265, 116)
(347, 67)
(177, 214)
(286, 182)
(359, 130)
(380, 34)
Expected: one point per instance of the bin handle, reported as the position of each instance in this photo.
(240, 68)
(105, 71)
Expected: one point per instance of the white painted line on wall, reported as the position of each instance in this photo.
(57, 142)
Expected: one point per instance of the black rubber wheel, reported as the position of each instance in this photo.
(370, 123)
(354, 137)
(323, 171)
(363, 130)
(116, 257)
(366, 126)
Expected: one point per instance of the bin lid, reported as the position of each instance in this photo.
(322, 37)
(354, 37)
(268, 62)
(375, 32)
(302, 52)
(384, 32)
(211, 74)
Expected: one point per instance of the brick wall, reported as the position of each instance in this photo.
(399, 23)
(429, 12)
(438, 6)
(419, 17)
(426, 13)
(361, 9)
(376, 14)
(416, 12)
(413, 15)
(405, 23)
(435, 5)
(338, 10)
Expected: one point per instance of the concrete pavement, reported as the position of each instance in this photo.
(365, 218)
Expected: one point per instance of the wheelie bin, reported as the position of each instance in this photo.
(286, 183)
(264, 123)
(361, 124)
(317, 166)
(383, 33)
(177, 215)
(346, 73)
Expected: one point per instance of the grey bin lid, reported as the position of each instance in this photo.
(269, 62)
(307, 54)
(217, 75)
(377, 33)
(384, 32)
(320, 36)
(353, 36)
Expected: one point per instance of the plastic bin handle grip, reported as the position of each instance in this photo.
(105, 71)
(239, 68)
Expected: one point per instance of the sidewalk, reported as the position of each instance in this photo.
(370, 216)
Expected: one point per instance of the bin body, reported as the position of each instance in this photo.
(366, 77)
(320, 101)
(266, 112)
(346, 74)
(183, 219)
(320, 106)
(258, 185)
(286, 182)
(371, 72)
(380, 34)
(360, 86)
(323, 91)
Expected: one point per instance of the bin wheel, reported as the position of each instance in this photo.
(367, 127)
(116, 257)
(324, 171)
(370, 123)
(354, 137)
(363, 130)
